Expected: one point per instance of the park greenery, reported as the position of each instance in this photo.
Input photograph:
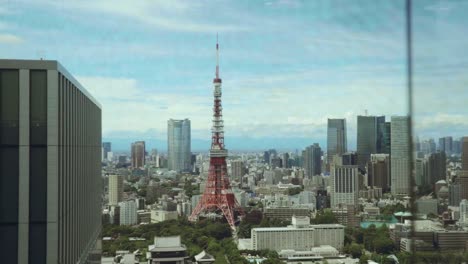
(254, 219)
(324, 216)
(213, 237)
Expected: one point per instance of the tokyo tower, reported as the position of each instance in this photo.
(218, 196)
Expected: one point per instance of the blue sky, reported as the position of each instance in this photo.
(286, 65)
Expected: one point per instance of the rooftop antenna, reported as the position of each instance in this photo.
(40, 54)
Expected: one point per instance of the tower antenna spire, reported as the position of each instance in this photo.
(217, 57)
(218, 196)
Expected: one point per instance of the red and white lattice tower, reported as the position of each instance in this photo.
(218, 196)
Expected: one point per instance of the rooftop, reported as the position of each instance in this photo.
(162, 244)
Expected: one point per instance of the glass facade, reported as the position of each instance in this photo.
(9, 162)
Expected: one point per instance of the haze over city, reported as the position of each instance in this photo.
(287, 65)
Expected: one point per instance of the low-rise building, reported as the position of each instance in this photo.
(285, 213)
(300, 236)
(161, 216)
(167, 250)
(204, 258)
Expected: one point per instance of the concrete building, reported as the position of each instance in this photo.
(179, 145)
(348, 158)
(462, 180)
(50, 165)
(437, 168)
(299, 236)
(463, 212)
(285, 212)
(237, 169)
(128, 213)
(115, 189)
(454, 194)
(138, 154)
(167, 250)
(400, 156)
(285, 160)
(161, 215)
(421, 174)
(337, 143)
(345, 182)
(312, 156)
(378, 171)
(427, 206)
(370, 137)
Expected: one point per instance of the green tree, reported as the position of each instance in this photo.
(383, 245)
(324, 217)
(294, 191)
(363, 259)
(355, 250)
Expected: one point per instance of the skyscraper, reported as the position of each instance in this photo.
(336, 138)
(441, 146)
(436, 167)
(371, 139)
(386, 144)
(464, 155)
(50, 164)
(178, 145)
(138, 154)
(378, 171)
(400, 156)
(285, 160)
(448, 145)
(312, 160)
(106, 147)
(115, 189)
(428, 146)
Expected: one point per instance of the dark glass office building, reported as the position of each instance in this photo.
(50, 153)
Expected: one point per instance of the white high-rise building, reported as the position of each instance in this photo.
(128, 213)
(178, 145)
(400, 156)
(344, 185)
(115, 189)
(463, 212)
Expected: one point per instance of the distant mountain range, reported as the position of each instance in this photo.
(237, 144)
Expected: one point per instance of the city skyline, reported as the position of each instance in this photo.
(160, 66)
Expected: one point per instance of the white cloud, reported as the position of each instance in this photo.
(169, 15)
(10, 38)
